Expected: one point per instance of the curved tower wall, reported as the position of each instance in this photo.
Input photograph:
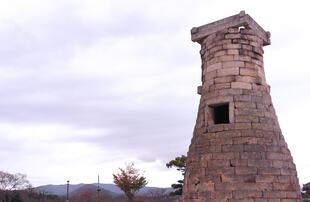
(237, 152)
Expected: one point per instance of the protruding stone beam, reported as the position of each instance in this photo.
(241, 19)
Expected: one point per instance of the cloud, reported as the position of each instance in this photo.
(91, 84)
(109, 88)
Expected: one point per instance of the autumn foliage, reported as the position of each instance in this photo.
(129, 180)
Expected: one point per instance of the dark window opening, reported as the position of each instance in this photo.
(221, 113)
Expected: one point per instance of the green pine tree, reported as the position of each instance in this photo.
(180, 164)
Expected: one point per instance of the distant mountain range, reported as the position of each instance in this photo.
(111, 189)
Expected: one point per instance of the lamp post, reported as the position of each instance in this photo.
(68, 190)
(98, 190)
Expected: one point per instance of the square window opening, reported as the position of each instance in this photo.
(220, 113)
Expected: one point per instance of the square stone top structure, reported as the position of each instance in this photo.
(239, 20)
(237, 152)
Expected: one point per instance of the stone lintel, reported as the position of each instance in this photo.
(241, 19)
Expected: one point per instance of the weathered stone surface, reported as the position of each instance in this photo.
(243, 157)
(228, 71)
(242, 85)
(214, 66)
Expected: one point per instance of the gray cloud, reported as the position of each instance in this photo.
(129, 75)
(43, 93)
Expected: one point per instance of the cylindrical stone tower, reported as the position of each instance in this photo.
(237, 152)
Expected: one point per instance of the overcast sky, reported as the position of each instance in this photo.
(89, 85)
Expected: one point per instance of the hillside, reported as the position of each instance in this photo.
(110, 189)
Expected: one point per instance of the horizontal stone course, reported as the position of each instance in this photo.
(244, 194)
(242, 85)
(228, 71)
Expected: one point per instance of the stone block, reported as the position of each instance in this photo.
(275, 156)
(247, 47)
(228, 71)
(245, 105)
(220, 141)
(289, 200)
(242, 200)
(222, 86)
(252, 155)
(258, 62)
(232, 46)
(228, 134)
(247, 79)
(233, 36)
(211, 172)
(213, 67)
(220, 53)
(215, 49)
(226, 155)
(283, 187)
(250, 65)
(212, 61)
(291, 194)
(224, 41)
(232, 91)
(221, 196)
(240, 41)
(245, 98)
(208, 83)
(216, 128)
(263, 126)
(246, 119)
(269, 171)
(232, 52)
(273, 194)
(254, 147)
(225, 58)
(225, 79)
(227, 186)
(219, 99)
(238, 162)
(213, 148)
(239, 126)
(247, 194)
(266, 178)
(232, 148)
(256, 39)
(247, 53)
(210, 75)
(241, 85)
(259, 163)
(288, 171)
(280, 164)
(243, 186)
(255, 44)
(248, 72)
(242, 58)
(247, 170)
(229, 64)
(247, 141)
(284, 179)
(258, 57)
(216, 163)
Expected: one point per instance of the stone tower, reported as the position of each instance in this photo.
(237, 152)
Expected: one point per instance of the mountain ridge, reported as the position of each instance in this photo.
(61, 189)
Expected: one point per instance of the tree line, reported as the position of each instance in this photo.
(16, 187)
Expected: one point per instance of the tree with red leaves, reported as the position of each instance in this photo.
(129, 180)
